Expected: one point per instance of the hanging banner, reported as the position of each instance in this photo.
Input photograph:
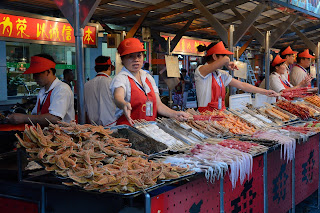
(188, 46)
(36, 30)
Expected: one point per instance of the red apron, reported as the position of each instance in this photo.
(216, 91)
(138, 103)
(285, 84)
(44, 109)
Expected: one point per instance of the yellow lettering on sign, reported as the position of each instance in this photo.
(88, 37)
(21, 27)
(41, 30)
(66, 33)
(54, 32)
(7, 25)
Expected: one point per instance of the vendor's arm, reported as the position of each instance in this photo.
(252, 89)
(18, 118)
(222, 61)
(119, 94)
(166, 111)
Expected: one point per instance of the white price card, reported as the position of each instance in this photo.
(242, 70)
(172, 64)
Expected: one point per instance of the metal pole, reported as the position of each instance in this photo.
(147, 207)
(78, 33)
(170, 102)
(267, 59)
(231, 31)
(265, 182)
(318, 65)
(221, 196)
(43, 200)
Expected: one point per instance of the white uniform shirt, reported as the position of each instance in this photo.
(121, 80)
(275, 82)
(98, 101)
(204, 83)
(297, 75)
(61, 100)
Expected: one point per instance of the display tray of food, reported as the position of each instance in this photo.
(315, 100)
(161, 134)
(250, 118)
(90, 158)
(138, 140)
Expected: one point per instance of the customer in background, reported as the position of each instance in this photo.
(68, 77)
(99, 105)
(55, 99)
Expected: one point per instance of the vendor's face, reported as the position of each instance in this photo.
(133, 62)
(41, 78)
(281, 69)
(290, 59)
(305, 62)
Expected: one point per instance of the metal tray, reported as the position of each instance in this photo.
(180, 178)
(138, 140)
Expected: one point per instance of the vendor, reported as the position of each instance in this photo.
(98, 100)
(277, 80)
(299, 71)
(211, 80)
(55, 99)
(135, 92)
(288, 54)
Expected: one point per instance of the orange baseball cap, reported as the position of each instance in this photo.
(219, 49)
(277, 60)
(288, 51)
(39, 64)
(130, 45)
(305, 54)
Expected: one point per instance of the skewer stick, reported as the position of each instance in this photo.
(48, 121)
(94, 123)
(31, 122)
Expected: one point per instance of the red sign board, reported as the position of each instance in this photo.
(188, 46)
(25, 28)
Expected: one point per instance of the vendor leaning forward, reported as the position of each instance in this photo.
(211, 80)
(135, 92)
(55, 98)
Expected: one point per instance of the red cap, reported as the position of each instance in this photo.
(288, 51)
(277, 60)
(219, 49)
(305, 54)
(39, 64)
(130, 45)
(108, 62)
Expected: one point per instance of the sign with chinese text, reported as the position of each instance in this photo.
(188, 46)
(21, 28)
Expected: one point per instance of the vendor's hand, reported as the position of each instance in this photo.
(181, 116)
(306, 81)
(232, 66)
(271, 93)
(17, 118)
(127, 112)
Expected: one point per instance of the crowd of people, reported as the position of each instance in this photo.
(132, 94)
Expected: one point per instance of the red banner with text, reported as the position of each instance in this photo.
(25, 28)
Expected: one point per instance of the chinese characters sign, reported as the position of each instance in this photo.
(188, 46)
(19, 27)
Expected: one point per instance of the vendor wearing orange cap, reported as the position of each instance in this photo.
(98, 100)
(288, 54)
(277, 82)
(299, 72)
(211, 80)
(55, 98)
(135, 92)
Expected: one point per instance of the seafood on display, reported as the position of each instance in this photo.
(92, 159)
(288, 144)
(215, 160)
(315, 99)
(296, 93)
(153, 131)
(302, 129)
(295, 109)
(249, 118)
